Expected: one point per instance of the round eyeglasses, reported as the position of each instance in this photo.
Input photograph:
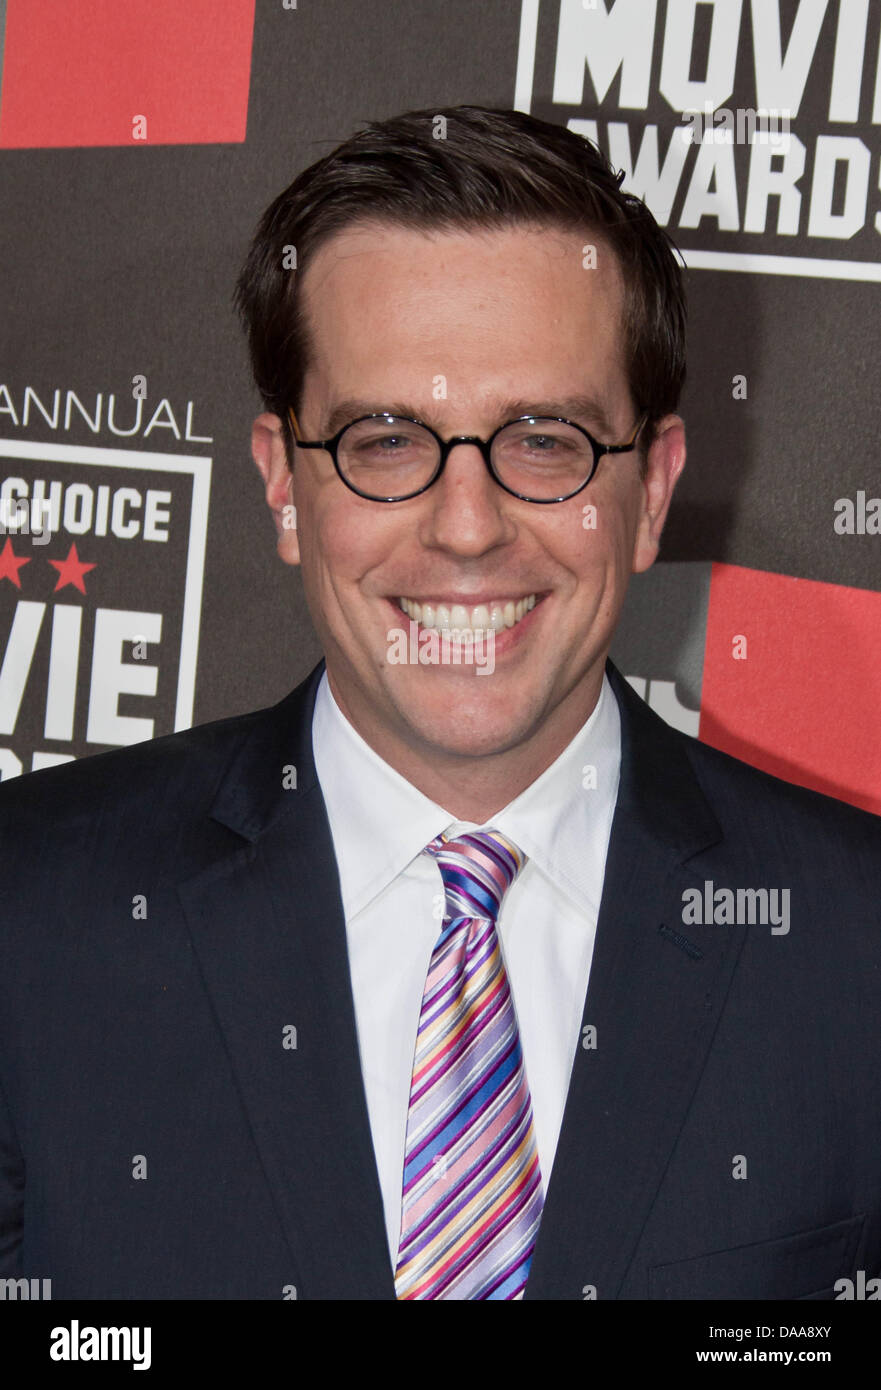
(389, 458)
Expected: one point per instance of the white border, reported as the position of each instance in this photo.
(200, 468)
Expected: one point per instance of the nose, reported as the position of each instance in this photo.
(467, 512)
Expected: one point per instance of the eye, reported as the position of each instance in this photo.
(542, 443)
(383, 443)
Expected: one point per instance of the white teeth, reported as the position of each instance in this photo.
(480, 616)
(494, 616)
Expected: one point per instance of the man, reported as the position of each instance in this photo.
(406, 987)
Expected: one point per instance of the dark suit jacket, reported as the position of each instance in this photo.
(128, 1039)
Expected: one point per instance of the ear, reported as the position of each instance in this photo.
(268, 452)
(665, 462)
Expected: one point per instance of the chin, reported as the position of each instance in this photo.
(468, 722)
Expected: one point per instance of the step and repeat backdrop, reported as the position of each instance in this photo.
(139, 144)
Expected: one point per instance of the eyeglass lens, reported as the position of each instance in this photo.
(537, 458)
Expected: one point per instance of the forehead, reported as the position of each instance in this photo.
(475, 307)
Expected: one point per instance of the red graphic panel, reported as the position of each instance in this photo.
(805, 703)
(79, 72)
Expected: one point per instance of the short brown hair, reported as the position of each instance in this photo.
(494, 168)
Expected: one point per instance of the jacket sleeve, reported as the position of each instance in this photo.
(11, 1195)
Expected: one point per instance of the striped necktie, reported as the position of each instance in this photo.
(472, 1189)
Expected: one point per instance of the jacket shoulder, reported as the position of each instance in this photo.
(187, 764)
(796, 821)
(746, 801)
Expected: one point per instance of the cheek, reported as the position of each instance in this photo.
(616, 518)
(346, 539)
(595, 541)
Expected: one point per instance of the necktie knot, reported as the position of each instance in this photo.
(477, 869)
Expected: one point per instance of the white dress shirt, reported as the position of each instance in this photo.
(380, 825)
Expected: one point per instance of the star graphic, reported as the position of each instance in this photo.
(10, 564)
(71, 570)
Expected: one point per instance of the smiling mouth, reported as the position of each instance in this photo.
(497, 615)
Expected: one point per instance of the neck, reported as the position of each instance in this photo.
(475, 788)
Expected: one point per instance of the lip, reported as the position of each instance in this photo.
(471, 600)
(504, 641)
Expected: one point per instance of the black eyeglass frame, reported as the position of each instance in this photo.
(484, 445)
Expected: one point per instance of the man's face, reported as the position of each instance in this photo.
(464, 331)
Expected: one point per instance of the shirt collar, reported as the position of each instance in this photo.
(380, 823)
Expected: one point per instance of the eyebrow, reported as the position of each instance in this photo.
(583, 409)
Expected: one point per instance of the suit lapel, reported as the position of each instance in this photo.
(267, 924)
(654, 1002)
